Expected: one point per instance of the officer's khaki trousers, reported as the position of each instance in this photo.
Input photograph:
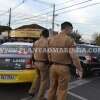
(35, 84)
(59, 78)
(43, 80)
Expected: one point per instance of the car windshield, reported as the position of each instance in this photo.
(15, 49)
(85, 49)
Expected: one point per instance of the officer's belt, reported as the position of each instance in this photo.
(60, 63)
(46, 62)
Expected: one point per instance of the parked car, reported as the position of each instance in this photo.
(16, 65)
(90, 58)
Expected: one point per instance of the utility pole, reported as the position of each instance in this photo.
(53, 16)
(9, 22)
(53, 19)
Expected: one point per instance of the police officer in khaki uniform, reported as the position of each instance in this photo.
(61, 60)
(41, 65)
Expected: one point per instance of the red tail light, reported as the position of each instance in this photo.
(28, 64)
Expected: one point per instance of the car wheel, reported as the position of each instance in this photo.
(85, 70)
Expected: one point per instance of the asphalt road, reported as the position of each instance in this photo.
(79, 90)
(87, 91)
(13, 92)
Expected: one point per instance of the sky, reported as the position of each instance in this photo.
(85, 20)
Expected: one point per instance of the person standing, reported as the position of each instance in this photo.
(61, 61)
(42, 67)
(41, 63)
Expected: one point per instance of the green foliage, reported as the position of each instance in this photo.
(76, 36)
(97, 40)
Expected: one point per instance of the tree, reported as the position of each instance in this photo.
(75, 34)
(97, 38)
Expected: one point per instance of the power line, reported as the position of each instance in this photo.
(46, 8)
(38, 19)
(21, 15)
(55, 10)
(6, 12)
(80, 8)
(53, 15)
(2, 11)
(28, 20)
(67, 7)
(21, 22)
(64, 2)
(43, 2)
(74, 5)
(34, 16)
(56, 5)
(90, 5)
(18, 5)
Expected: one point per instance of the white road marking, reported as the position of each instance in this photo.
(75, 84)
(78, 83)
(77, 96)
(72, 94)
